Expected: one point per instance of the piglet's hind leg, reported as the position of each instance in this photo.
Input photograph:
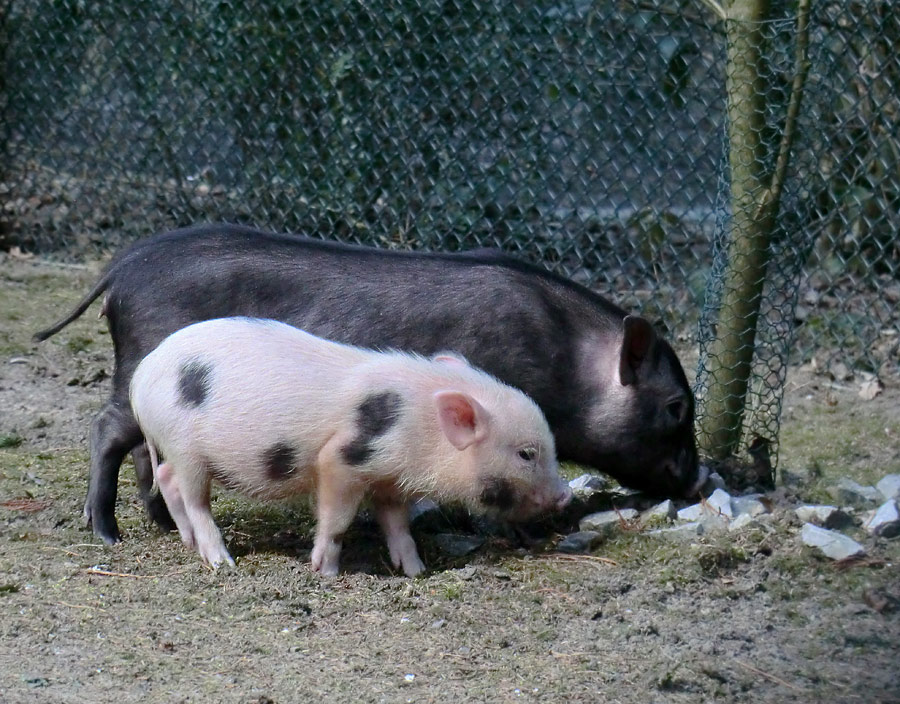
(168, 487)
(195, 494)
(338, 494)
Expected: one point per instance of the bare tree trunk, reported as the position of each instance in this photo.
(754, 206)
(732, 350)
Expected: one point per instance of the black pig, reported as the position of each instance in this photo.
(613, 392)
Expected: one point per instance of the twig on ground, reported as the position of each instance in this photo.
(106, 573)
(580, 558)
(773, 678)
(68, 552)
(77, 606)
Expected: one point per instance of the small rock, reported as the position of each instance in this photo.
(457, 545)
(421, 508)
(840, 372)
(35, 682)
(889, 486)
(826, 516)
(720, 500)
(847, 491)
(835, 545)
(714, 522)
(467, 572)
(690, 513)
(840, 519)
(748, 505)
(606, 521)
(718, 505)
(742, 521)
(885, 522)
(588, 484)
(683, 531)
(579, 542)
(870, 388)
(662, 511)
(713, 481)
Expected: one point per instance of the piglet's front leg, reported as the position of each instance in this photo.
(338, 495)
(393, 517)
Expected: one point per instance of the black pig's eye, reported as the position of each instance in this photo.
(676, 410)
(528, 454)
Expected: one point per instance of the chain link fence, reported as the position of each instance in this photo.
(590, 136)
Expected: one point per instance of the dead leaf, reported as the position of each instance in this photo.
(26, 505)
(870, 389)
(840, 372)
(17, 253)
(880, 601)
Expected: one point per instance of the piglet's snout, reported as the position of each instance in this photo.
(563, 498)
(550, 499)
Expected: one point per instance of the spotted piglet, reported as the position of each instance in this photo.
(272, 411)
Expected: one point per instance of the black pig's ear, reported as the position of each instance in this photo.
(637, 340)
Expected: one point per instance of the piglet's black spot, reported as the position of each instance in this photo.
(497, 493)
(194, 382)
(374, 417)
(279, 461)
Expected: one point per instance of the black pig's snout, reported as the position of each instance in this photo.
(684, 473)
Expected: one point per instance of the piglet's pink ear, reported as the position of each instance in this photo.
(451, 359)
(462, 419)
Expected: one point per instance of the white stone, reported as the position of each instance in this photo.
(664, 510)
(742, 521)
(690, 513)
(885, 522)
(717, 505)
(835, 545)
(714, 522)
(748, 505)
(683, 531)
(889, 486)
(588, 484)
(720, 501)
(814, 513)
(605, 521)
(850, 492)
(745, 520)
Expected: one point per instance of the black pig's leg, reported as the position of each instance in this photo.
(153, 502)
(114, 432)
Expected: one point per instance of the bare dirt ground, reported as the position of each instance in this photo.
(752, 616)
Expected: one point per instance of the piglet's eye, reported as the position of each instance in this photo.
(528, 454)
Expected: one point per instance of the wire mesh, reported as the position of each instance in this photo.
(589, 136)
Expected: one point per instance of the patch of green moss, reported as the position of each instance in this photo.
(79, 343)
(831, 444)
(12, 440)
